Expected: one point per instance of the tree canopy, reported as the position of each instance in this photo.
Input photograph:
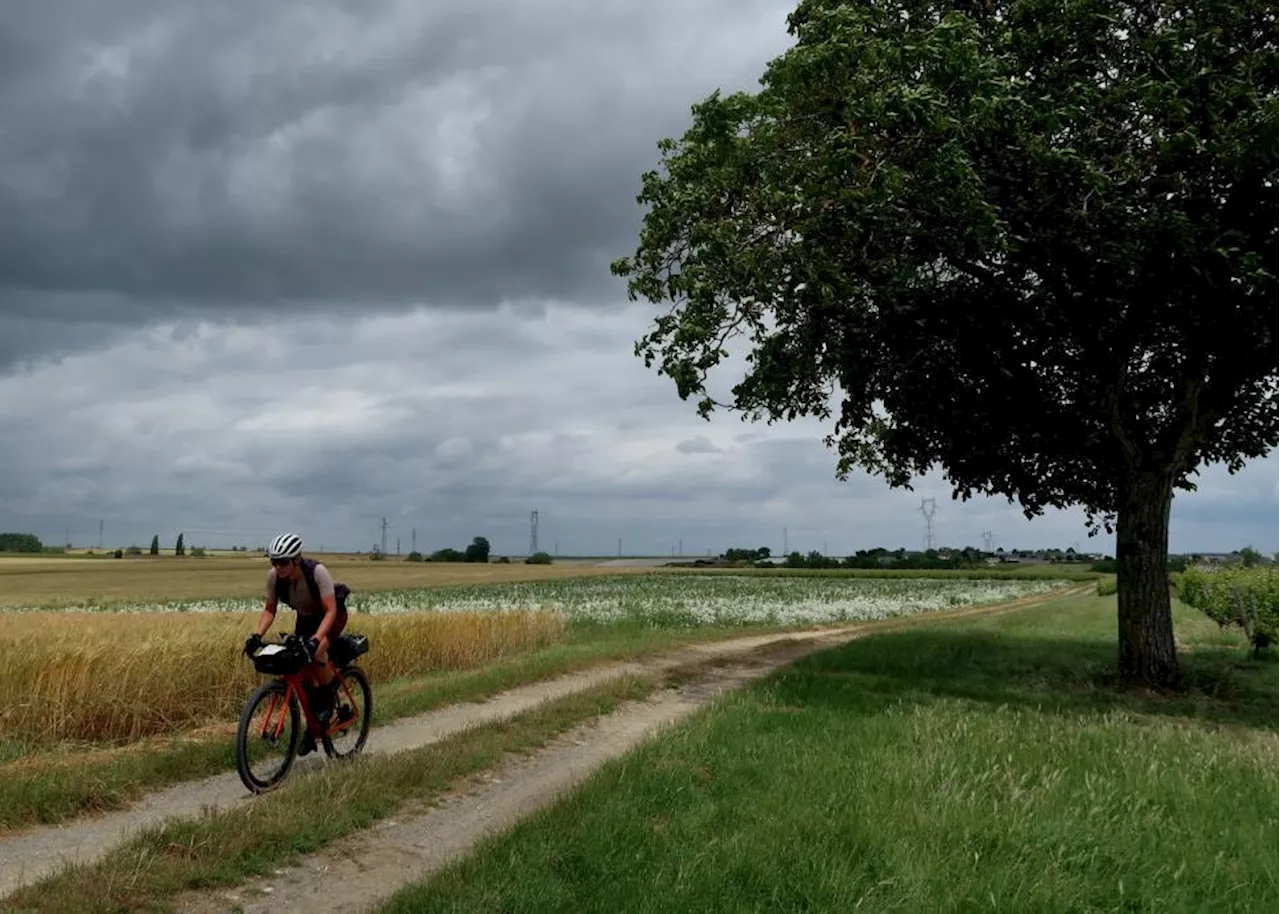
(1032, 243)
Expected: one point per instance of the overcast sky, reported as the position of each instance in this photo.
(308, 265)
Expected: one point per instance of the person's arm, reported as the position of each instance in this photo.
(269, 607)
(324, 583)
(254, 641)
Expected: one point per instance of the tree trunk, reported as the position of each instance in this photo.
(1147, 652)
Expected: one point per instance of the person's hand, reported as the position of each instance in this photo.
(252, 643)
(313, 647)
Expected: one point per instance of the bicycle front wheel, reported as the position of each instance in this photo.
(267, 737)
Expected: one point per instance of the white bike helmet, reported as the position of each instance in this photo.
(285, 546)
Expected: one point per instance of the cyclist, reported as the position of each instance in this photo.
(307, 587)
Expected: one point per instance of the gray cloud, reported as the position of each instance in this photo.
(164, 160)
(306, 266)
(459, 424)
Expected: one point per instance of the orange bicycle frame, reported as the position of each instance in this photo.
(293, 687)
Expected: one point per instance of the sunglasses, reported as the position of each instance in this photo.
(282, 563)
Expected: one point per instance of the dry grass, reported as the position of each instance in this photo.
(118, 676)
(60, 581)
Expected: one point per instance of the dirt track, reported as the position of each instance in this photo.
(357, 872)
(407, 849)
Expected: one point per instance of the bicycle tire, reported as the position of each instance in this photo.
(365, 695)
(247, 777)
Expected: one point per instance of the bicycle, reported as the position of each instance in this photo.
(286, 698)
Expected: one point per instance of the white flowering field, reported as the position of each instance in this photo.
(669, 600)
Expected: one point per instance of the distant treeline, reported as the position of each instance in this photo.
(20, 542)
(884, 559)
(863, 558)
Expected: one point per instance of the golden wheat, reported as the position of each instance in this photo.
(108, 676)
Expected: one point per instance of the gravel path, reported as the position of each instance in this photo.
(360, 871)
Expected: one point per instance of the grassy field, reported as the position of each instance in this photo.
(987, 765)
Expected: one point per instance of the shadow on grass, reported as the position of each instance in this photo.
(1223, 686)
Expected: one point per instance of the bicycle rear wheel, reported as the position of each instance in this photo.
(353, 710)
(267, 737)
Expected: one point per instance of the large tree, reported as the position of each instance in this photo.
(1031, 243)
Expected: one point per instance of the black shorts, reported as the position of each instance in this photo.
(306, 626)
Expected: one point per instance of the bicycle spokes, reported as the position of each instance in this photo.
(278, 704)
(271, 732)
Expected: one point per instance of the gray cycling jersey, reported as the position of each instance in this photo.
(300, 594)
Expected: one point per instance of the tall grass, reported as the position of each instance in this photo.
(93, 677)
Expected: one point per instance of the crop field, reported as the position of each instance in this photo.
(129, 669)
(660, 598)
(72, 676)
(71, 581)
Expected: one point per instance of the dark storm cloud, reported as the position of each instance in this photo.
(156, 158)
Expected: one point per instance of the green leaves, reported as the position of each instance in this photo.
(1038, 238)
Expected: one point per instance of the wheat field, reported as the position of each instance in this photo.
(87, 676)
